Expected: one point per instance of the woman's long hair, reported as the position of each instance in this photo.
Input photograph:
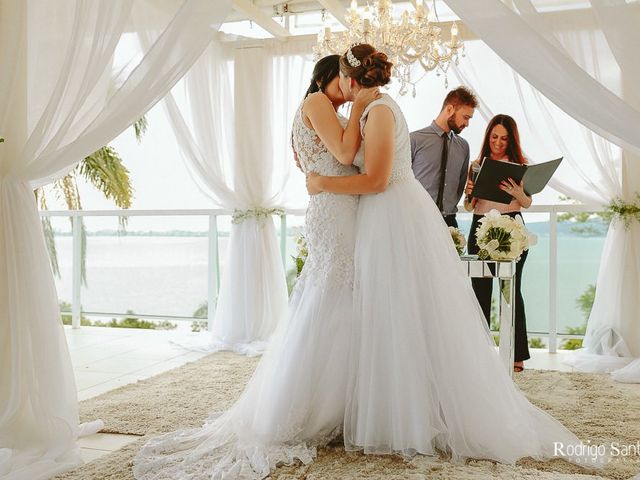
(514, 152)
(325, 70)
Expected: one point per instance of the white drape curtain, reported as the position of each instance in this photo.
(232, 117)
(582, 63)
(71, 83)
(525, 40)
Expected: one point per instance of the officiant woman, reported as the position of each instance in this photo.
(501, 144)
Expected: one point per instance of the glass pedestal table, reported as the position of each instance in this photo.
(505, 272)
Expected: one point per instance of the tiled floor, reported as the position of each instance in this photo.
(107, 358)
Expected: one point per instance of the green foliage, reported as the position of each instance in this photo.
(199, 326)
(134, 322)
(536, 343)
(127, 322)
(626, 212)
(65, 314)
(301, 254)
(571, 344)
(140, 127)
(202, 311)
(585, 301)
(585, 223)
(494, 323)
(299, 259)
(292, 277)
(105, 171)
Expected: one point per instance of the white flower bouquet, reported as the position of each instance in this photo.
(458, 239)
(501, 237)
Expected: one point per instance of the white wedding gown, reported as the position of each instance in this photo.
(295, 400)
(424, 373)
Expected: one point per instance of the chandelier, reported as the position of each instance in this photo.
(414, 38)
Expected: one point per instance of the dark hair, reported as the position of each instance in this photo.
(374, 69)
(325, 70)
(514, 152)
(460, 96)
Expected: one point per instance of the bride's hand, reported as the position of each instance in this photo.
(312, 183)
(365, 96)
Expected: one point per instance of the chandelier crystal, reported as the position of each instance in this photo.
(414, 38)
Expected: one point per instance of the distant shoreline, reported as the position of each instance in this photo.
(588, 229)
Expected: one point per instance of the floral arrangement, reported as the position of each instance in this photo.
(501, 237)
(259, 213)
(301, 255)
(458, 239)
(624, 212)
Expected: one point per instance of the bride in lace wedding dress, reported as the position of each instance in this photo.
(424, 374)
(295, 400)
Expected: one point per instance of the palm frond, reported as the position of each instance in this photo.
(104, 170)
(140, 127)
(66, 189)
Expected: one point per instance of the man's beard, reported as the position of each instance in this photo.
(453, 126)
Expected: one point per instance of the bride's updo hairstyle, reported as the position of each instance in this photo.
(366, 65)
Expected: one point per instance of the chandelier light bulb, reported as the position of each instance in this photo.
(454, 33)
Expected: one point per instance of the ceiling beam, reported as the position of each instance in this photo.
(335, 8)
(253, 13)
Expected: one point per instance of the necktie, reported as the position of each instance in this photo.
(443, 170)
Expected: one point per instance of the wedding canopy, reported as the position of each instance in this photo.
(539, 61)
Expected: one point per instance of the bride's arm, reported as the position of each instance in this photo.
(342, 143)
(378, 159)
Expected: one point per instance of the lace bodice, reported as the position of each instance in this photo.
(330, 219)
(401, 169)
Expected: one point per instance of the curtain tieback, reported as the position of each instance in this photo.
(259, 213)
(624, 212)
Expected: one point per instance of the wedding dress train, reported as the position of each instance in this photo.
(295, 400)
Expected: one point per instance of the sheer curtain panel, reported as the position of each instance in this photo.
(233, 126)
(72, 81)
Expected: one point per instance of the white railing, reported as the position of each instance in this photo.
(214, 263)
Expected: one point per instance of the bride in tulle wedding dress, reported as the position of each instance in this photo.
(423, 371)
(296, 399)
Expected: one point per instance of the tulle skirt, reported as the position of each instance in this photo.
(294, 402)
(424, 371)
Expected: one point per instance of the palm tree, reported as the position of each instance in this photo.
(105, 171)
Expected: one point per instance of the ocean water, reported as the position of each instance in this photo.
(158, 275)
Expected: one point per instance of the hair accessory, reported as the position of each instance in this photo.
(351, 58)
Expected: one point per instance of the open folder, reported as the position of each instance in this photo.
(493, 172)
